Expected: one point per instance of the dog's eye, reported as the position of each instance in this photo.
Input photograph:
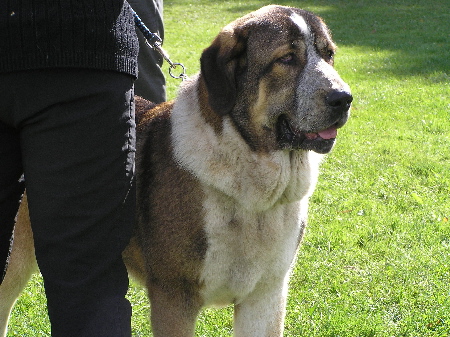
(330, 54)
(286, 59)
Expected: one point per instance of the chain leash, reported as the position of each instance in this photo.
(155, 42)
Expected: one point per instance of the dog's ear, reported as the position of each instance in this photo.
(219, 64)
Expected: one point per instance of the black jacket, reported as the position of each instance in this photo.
(97, 34)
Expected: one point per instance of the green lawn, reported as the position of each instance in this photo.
(376, 257)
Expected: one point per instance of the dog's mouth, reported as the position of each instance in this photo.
(320, 141)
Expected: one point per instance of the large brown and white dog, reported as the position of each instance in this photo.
(224, 175)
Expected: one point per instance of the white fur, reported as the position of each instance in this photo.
(301, 23)
(219, 160)
(255, 209)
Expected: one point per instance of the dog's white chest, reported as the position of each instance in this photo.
(247, 251)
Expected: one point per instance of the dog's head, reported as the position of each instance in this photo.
(272, 73)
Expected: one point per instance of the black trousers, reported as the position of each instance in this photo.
(72, 133)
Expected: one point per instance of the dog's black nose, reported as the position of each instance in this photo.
(339, 100)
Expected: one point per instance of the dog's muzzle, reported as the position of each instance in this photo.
(322, 140)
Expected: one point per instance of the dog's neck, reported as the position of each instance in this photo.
(219, 158)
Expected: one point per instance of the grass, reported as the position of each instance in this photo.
(376, 258)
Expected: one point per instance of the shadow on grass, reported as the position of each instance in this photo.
(414, 34)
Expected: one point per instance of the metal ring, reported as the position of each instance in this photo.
(182, 74)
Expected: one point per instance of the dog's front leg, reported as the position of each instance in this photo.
(262, 313)
(173, 313)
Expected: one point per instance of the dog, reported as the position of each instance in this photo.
(224, 174)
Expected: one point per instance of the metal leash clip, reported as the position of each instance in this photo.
(155, 42)
(157, 46)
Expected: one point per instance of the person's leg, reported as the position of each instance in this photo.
(11, 189)
(151, 83)
(78, 155)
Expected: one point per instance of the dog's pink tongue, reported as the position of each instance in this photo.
(328, 133)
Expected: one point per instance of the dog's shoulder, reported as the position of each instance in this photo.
(142, 106)
(150, 115)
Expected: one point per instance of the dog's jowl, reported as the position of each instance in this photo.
(224, 174)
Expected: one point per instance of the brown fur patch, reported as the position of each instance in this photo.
(169, 210)
(211, 117)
